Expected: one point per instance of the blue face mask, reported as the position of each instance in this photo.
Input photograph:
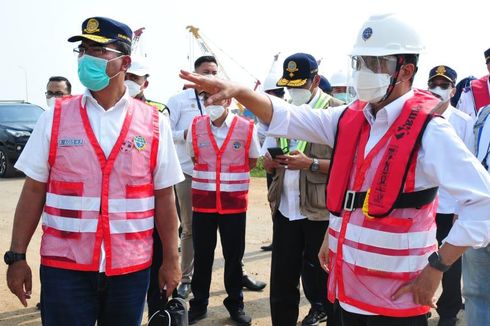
(92, 72)
(344, 97)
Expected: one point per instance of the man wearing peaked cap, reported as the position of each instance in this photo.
(104, 178)
(297, 199)
(380, 247)
(441, 83)
(478, 94)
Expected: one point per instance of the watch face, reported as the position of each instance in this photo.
(8, 257)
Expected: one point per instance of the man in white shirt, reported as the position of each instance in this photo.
(441, 82)
(88, 182)
(478, 94)
(184, 107)
(383, 78)
(224, 147)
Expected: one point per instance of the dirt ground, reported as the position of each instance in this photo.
(257, 263)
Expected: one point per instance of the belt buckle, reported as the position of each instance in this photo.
(349, 200)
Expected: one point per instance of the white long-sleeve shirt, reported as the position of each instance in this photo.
(183, 108)
(463, 126)
(443, 159)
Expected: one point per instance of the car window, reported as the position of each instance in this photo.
(22, 112)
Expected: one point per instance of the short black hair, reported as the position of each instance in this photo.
(125, 48)
(203, 59)
(61, 79)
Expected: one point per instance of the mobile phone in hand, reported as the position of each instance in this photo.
(275, 151)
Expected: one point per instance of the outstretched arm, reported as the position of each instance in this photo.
(259, 104)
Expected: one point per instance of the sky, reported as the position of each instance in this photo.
(35, 47)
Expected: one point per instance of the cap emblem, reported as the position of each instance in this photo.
(441, 70)
(292, 68)
(92, 26)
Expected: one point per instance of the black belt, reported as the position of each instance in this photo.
(414, 199)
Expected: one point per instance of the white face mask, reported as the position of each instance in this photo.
(444, 94)
(370, 87)
(215, 111)
(299, 96)
(133, 88)
(50, 102)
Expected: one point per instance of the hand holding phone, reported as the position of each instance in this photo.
(275, 151)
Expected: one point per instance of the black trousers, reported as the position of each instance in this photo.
(231, 228)
(351, 319)
(450, 301)
(294, 254)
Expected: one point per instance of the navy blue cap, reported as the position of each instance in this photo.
(443, 71)
(297, 69)
(325, 84)
(487, 55)
(104, 31)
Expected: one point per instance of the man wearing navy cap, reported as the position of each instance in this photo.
(102, 178)
(325, 85)
(297, 199)
(478, 94)
(441, 83)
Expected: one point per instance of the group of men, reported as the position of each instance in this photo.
(354, 190)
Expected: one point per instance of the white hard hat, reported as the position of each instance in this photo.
(275, 73)
(387, 34)
(339, 78)
(139, 66)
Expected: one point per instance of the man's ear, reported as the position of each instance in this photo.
(126, 62)
(316, 81)
(145, 84)
(407, 72)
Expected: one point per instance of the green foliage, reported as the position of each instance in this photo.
(258, 171)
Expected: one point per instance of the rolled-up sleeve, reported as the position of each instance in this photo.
(448, 163)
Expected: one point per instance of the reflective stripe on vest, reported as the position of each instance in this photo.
(321, 103)
(93, 198)
(221, 176)
(481, 95)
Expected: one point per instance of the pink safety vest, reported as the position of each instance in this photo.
(221, 176)
(371, 257)
(91, 198)
(479, 89)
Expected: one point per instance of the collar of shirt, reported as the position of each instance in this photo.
(123, 102)
(447, 113)
(390, 112)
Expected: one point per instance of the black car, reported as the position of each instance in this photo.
(17, 119)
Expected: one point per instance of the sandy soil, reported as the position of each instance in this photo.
(257, 263)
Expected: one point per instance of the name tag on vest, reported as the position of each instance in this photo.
(70, 142)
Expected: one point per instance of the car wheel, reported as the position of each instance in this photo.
(6, 168)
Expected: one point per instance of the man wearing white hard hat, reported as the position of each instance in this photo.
(390, 156)
(341, 89)
(137, 81)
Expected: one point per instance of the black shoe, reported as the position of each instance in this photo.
(267, 248)
(451, 321)
(314, 317)
(241, 318)
(251, 284)
(196, 315)
(183, 290)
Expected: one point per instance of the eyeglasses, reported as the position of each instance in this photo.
(50, 94)
(441, 85)
(96, 51)
(383, 64)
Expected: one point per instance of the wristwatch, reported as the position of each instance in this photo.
(435, 261)
(11, 257)
(315, 166)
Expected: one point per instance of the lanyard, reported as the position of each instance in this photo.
(198, 101)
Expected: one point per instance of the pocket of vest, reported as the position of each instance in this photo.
(315, 189)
